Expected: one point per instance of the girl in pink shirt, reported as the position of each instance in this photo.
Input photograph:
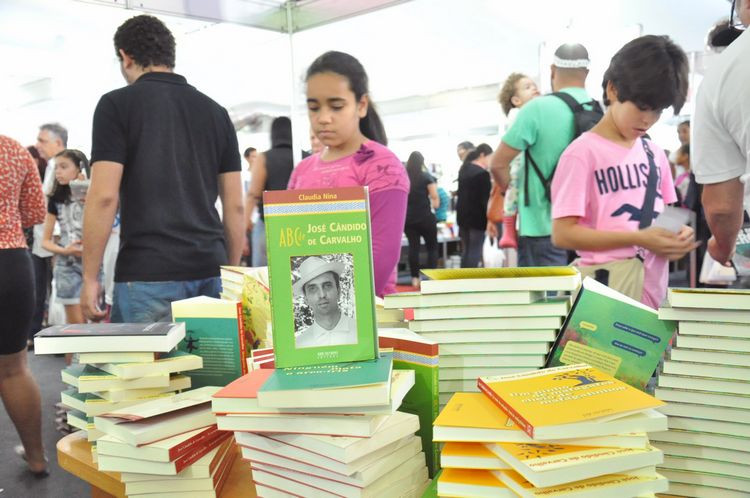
(344, 119)
(600, 184)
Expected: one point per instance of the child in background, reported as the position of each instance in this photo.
(62, 208)
(516, 91)
(683, 174)
(611, 178)
(344, 119)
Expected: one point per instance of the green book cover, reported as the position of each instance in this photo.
(613, 333)
(412, 352)
(320, 274)
(215, 332)
(331, 376)
(741, 257)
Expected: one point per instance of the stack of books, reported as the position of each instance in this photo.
(326, 430)
(250, 287)
(167, 446)
(119, 365)
(705, 382)
(487, 321)
(569, 431)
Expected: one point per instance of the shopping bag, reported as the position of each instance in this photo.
(492, 255)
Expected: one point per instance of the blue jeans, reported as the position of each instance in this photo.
(145, 302)
(259, 244)
(539, 251)
(472, 240)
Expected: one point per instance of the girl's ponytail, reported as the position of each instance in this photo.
(372, 127)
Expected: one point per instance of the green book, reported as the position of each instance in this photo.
(613, 333)
(347, 384)
(214, 331)
(413, 352)
(320, 274)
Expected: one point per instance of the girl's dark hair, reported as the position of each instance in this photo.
(61, 193)
(350, 68)
(414, 167)
(147, 40)
(281, 132)
(481, 150)
(651, 72)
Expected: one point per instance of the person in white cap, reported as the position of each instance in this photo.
(319, 284)
(543, 128)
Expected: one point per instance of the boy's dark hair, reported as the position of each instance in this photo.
(350, 68)
(147, 40)
(61, 193)
(651, 72)
(248, 151)
(508, 90)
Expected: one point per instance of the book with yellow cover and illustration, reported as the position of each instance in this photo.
(627, 484)
(561, 278)
(460, 455)
(571, 401)
(471, 482)
(472, 417)
(545, 464)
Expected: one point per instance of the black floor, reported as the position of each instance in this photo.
(15, 480)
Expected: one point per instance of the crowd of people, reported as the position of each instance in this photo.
(571, 181)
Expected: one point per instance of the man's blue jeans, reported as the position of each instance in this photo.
(145, 302)
(539, 251)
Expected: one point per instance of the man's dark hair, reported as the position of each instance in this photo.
(465, 145)
(248, 151)
(57, 130)
(147, 40)
(651, 72)
(684, 123)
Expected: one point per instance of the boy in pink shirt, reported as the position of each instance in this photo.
(601, 182)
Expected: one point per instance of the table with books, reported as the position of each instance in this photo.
(74, 455)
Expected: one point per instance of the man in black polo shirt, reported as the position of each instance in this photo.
(165, 151)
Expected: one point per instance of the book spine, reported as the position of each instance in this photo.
(190, 458)
(241, 331)
(517, 418)
(177, 451)
(409, 314)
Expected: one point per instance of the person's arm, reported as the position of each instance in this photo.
(432, 193)
(568, 234)
(48, 243)
(31, 202)
(387, 214)
(99, 213)
(723, 205)
(258, 179)
(500, 164)
(230, 192)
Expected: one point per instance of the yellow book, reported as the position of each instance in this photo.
(552, 464)
(471, 482)
(562, 278)
(572, 401)
(472, 417)
(458, 455)
(608, 485)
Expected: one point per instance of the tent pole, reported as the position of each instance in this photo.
(296, 142)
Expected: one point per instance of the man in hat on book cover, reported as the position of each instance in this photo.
(320, 285)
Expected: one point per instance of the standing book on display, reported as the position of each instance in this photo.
(321, 276)
(741, 258)
(215, 332)
(614, 333)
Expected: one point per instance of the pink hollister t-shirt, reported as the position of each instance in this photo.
(604, 184)
(376, 167)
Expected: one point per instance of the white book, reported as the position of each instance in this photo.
(491, 336)
(714, 343)
(705, 384)
(489, 360)
(471, 374)
(706, 370)
(202, 469)
(705, 452)
(713, 426)
(624, 484)
(698, 491)
(718, 329)
(257, 443)
(702, 397)
(678, 409)
(419, 300)
(705, 479)
(109, 337)
(706, 356)
(176, 361)
(701, 439)
(348, 449)
(520, 283)
(177, 382)
(117, 357)
(703, 465)
(521, 348)
(551, 307)
(521, 323)
(337, 425)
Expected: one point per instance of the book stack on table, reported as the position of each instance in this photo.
(326, 430)
(119, 365)
(705, 383)
(250, 287)
(569, 431)
(167, 447)
(487, 321)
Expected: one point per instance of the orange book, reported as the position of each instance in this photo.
(628, 484)
(473, 417)
(471, 482)
(572, 401)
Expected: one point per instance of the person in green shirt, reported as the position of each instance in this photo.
(545, 127)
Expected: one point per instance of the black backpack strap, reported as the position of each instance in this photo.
(546, 181)
(647, 210)
(574, 105)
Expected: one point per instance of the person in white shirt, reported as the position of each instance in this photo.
(320, 285)
(721, 140)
